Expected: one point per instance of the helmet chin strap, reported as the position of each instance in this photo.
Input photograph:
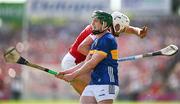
(96, 32)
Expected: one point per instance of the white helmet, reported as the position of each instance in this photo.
(120, 21)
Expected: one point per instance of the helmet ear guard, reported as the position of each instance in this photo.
(120, 21)
(104, 26)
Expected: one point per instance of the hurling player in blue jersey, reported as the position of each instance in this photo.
(101, 62)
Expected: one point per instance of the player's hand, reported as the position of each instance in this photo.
(143, 32)
(60, 75)
(69, 77)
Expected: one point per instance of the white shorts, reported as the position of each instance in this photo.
(67, 62)
(101, 92)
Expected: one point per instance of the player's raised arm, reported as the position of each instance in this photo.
(141, 32)
(121, 25)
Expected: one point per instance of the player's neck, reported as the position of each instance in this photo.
(101, 34)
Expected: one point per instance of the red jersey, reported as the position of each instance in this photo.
(73, 49)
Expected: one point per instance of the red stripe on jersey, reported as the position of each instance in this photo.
(73, 49)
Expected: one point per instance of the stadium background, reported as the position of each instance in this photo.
(47, 28)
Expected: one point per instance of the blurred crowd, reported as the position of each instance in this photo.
(154, 78)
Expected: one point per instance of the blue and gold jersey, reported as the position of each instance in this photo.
(106, 72)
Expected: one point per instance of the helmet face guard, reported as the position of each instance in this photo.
(120, 21)
(105, 20)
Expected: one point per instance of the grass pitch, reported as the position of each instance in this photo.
(76, 102)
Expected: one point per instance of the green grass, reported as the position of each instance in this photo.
(75, 102)
(40, 102)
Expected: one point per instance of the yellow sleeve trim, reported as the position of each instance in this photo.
(114, 54)
(98, 52)
(91, 51)
(101, 52)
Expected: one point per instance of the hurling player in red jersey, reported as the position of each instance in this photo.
(80, 48)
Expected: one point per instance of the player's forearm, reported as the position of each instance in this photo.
(87, 67)
(84, 47)
(132, 30)
(83, 50)
(73, 68)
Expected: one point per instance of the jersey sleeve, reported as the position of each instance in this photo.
(87, 31)
(106, 46)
